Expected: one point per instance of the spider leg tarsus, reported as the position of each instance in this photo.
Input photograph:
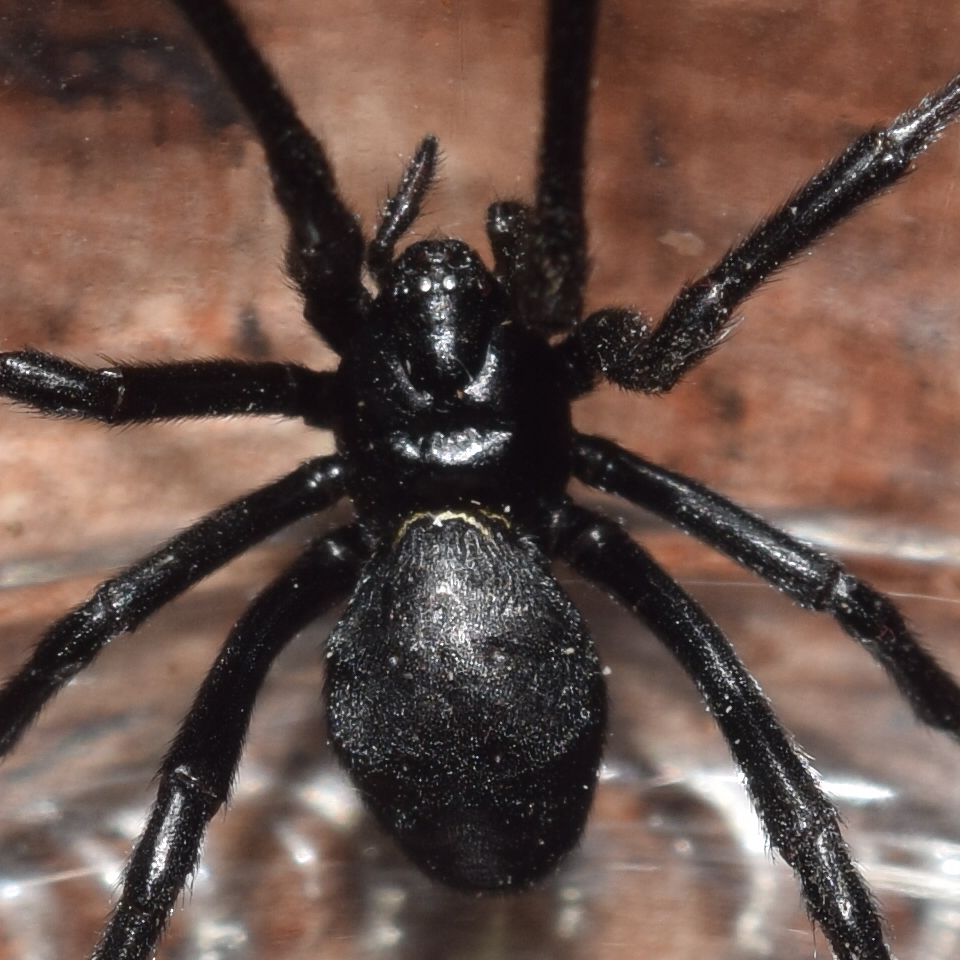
(915, 129)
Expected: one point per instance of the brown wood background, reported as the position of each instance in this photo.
(136, 222)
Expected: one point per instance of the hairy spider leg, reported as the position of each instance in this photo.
(325, 254)
(810, 578)
(554, 260)
(507, 224)
(799, 819)
(121, 604)
(403, 207)
(326, 248)
(540, 255)
(197, 772)
(540, 251)
(618, 345)
(138, 393)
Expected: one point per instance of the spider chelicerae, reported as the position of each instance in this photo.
(464, 696)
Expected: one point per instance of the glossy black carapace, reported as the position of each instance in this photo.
(463, 692)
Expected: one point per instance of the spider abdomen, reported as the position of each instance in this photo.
(465, 698)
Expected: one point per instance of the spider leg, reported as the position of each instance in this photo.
(403, 207)
(800, 821)
(507, 224)
(617, 343)
(198, 770)
(122, 603)
(170, 391)
(810, 578)
(326, 248)
(554, 261)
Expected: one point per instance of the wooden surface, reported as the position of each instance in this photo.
(136, 222)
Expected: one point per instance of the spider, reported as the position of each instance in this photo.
(464, 696)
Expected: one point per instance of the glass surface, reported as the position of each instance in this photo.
(137, 223)
(672, 864)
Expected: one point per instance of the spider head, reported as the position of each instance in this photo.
(439, 308)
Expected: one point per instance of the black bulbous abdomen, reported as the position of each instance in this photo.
(466, 701)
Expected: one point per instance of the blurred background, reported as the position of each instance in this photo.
(136, 222)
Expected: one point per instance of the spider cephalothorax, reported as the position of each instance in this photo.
(464, 695)
(443, 391)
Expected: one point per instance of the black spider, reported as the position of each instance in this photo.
(463, 693)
